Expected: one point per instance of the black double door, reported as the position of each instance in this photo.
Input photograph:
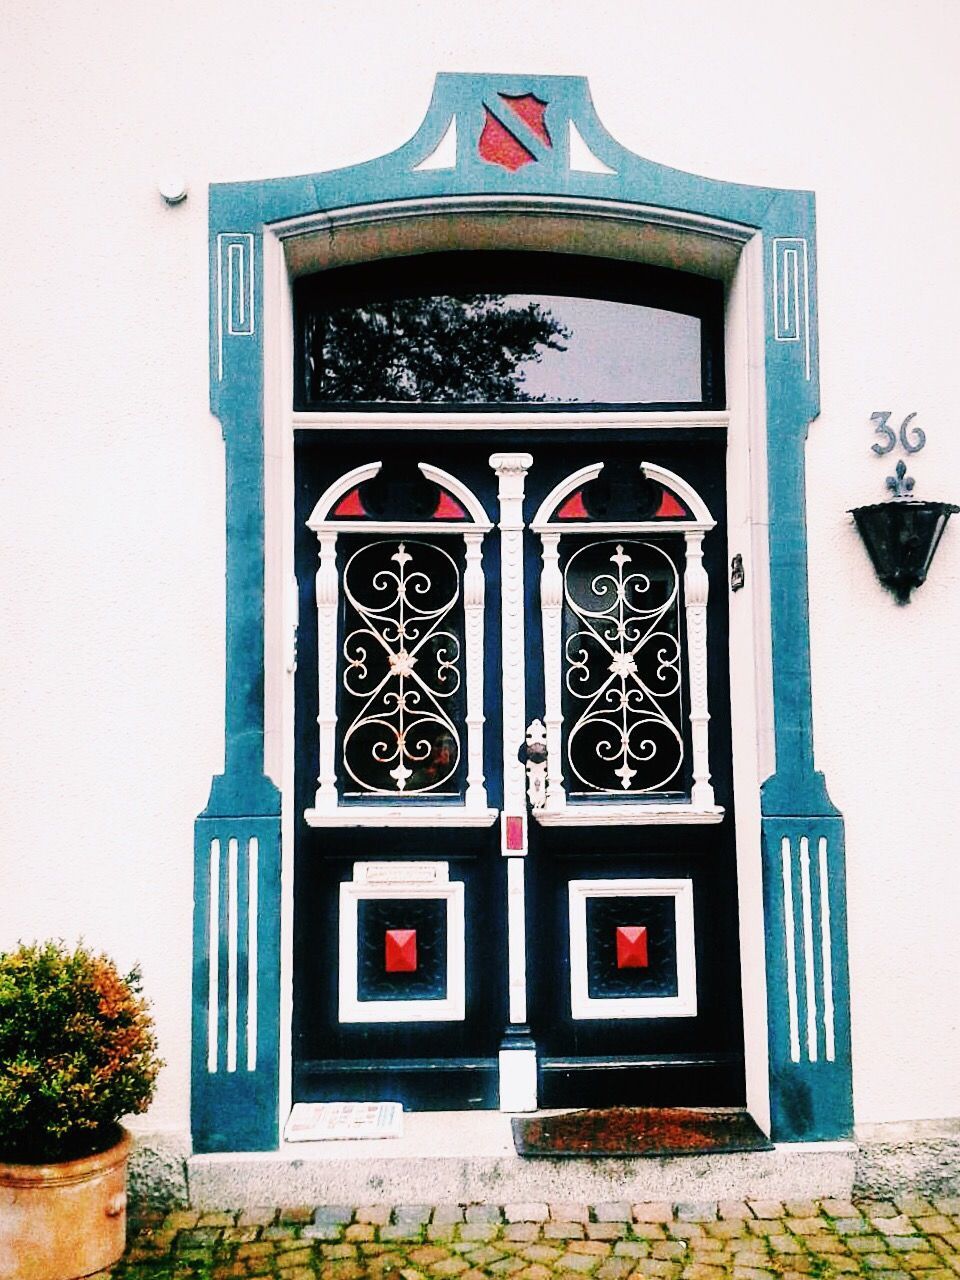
(402, 930)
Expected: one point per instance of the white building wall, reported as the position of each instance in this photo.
(111, 653)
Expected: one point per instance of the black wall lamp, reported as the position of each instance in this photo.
(902, 534)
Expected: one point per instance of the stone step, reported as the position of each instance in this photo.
(461, 1157)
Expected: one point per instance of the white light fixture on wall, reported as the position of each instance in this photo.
(173, 189)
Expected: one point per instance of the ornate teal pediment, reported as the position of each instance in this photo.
(508, 134)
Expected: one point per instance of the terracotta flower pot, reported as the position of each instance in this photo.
(61, 1221)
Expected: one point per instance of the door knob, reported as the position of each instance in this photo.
(533, 754)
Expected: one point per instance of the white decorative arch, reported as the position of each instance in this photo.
(680, 487)
(459, 490)
(563, 490)
(349, 480)
(320, 518)
(702, 518)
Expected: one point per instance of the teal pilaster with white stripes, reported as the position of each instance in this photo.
(572, 158)
(235, 1068)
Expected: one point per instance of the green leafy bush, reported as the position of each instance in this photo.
(77, 1052)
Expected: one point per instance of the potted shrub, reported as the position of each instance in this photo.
(77, 1053)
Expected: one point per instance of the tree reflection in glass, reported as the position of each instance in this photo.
(497, 348)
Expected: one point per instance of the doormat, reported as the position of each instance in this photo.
(320, 1121)
(639, 1131)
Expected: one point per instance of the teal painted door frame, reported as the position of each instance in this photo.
(554, 148)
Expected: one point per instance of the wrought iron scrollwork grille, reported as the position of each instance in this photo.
(401, 680)
(622, 661)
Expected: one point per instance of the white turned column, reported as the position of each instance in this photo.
(328, 592)
(551, 604)
(473, 592)
(518, 1063)
(511, 469)
(696, 587)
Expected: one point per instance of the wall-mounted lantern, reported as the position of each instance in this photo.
(902, 534)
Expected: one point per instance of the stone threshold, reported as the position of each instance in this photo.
(465, 1157)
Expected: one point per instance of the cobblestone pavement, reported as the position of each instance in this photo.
(909, 1236)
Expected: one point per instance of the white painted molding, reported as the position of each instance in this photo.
(475, 799)
(696, 587)
(401, 872)
(360, 815)
(517, 939)
(253, 970)
(701, 520)
(233, 952)
(518, 1080)
(636, 814)
(401, 528)
(551, 612)
(213, 966)
(346, 482)
(467, 497)
(826, 954)
(790, 949)
(328, 594)
(624, 528)
(684, 1003)
(450, 1009)
(511, 470)
(319, 515)
(802, 864)
(670, 480)
(561, 491)
(464, 420)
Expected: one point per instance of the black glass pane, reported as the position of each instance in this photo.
(490, 329)
(623, 669)
(401, 673)
(419, 972)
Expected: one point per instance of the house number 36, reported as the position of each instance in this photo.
(890, 437)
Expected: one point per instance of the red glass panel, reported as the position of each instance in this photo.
(448, 508)
(350, 505)
(631, 947)
(531, 111)
(400, 947)
(669, 506)
(514, 833)
(497, 145)
(573, 508)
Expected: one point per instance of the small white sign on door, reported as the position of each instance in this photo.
(319, 1121)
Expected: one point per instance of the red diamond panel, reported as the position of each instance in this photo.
(400, 948)
(631, 947)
